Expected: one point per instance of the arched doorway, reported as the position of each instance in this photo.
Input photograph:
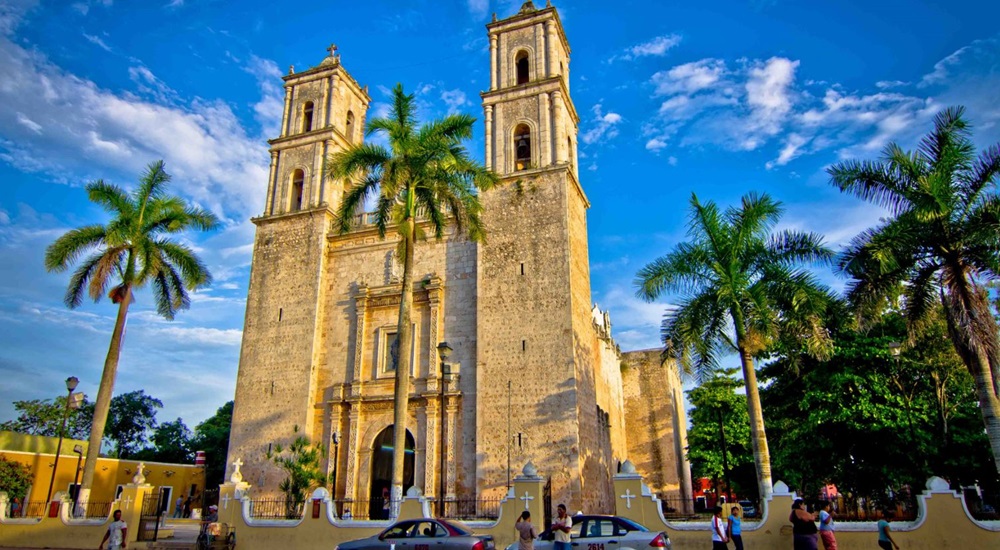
(381, 481)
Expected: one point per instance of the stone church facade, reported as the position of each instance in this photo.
(534, 373)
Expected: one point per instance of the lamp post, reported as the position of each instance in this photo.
(71, 383)
(78, 449)
(444, 351)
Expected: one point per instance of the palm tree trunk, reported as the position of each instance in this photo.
(403, 368)
(761, 454)
(103, 403)
(976, 358)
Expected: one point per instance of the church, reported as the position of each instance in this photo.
(533, 372)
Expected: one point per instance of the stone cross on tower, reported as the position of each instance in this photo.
(333, 50)
(237, 476)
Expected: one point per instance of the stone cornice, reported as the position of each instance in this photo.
(320, 72)
(264, 219)
(521, 20)
(530, 89)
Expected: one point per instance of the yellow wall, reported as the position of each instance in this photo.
(110, 472)
(943, 523)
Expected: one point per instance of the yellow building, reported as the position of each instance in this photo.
(38, 453)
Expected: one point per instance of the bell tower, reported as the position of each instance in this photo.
(531, 122)
(280, 372)
(535, 340)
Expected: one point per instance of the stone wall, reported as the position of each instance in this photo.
(276, 384)
(655, 422)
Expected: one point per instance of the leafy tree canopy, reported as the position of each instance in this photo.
(719, 411)
(171, 443)
(45, 416)
(212, 436)
(15, 478)
(868, 422)
(132, 416)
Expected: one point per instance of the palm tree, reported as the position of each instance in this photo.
(940, 243)
(132, 250)
(740, 290)
(424, 179)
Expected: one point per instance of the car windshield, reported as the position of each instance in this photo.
(631, 525)
(458, 527)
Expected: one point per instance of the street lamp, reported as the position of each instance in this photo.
(71, 383)
(444, 352)
(78, 449)
(895, 348)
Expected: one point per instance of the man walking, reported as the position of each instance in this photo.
(561, 527)
(116, 535)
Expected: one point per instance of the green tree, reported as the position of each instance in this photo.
(719, 412)
(132, 250)
(867, 421)
(425, 180)
(212, 436)
(15, 478)
(740, 290)
(133, 416)
(301, 461)
(941, 242)
(171, 443)
(44, 417)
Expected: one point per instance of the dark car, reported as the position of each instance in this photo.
(423, 534)
(592, 532)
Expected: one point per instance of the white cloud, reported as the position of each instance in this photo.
(791, 149)
(454, 99)
(655, 145)
(605, 126)
(760, 103)
(672, 161)
(197, 335)
(28, 123)
(657, 47)
(689, 77)
(98, 41)
(636, 323)
(269, 110)
(887, 84)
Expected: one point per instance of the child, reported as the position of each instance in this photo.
(826, 526)
(884, 538)
(718, 530)
(735, 531)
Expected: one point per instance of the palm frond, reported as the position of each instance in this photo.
(112, 198)
(75, 242)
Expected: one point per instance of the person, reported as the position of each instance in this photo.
(210, 523)
(735, 529)
(117, 533)
(213, 514)
(526, 540)
(386, 511)
(179, 508)
(15, 508)
(885, 540)
(803, 526)
(561, 527)
(187, 507)
(826, 526)
(719, 539)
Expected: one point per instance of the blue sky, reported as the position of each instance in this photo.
(718, 98)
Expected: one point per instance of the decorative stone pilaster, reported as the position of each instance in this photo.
(489, 133)
(544, 131)
(288, 110)
(493, 63)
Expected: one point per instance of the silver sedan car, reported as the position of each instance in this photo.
(592, 532)
(423, 534)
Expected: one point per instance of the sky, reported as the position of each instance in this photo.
(675, 97)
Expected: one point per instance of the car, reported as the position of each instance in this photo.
(597, 532)
(749, 510)
(423, 534)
